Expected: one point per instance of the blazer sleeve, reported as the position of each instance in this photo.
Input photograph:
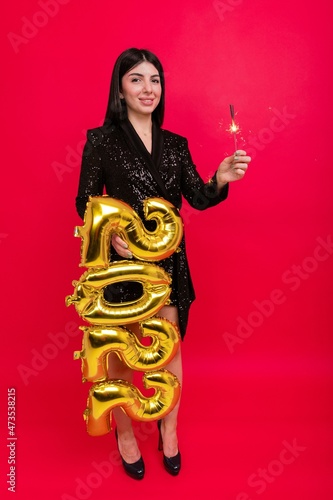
(200, 195)
(91, 181)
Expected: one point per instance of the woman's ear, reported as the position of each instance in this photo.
(121, 95)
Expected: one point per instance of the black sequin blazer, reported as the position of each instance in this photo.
(116, 162)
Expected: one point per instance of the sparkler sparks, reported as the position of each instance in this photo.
(234, 128)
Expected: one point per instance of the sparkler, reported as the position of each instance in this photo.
(233, 129)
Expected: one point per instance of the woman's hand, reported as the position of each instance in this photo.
(232, 168)
(121, 247)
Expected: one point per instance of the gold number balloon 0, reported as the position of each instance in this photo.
(105, 215)
(90, 304)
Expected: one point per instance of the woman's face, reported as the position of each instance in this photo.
(141, 89)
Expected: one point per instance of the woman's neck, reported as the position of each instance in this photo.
(142, 124)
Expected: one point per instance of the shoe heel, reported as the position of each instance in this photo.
(160, 440)
(172, 464)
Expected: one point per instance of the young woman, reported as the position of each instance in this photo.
(132, 158)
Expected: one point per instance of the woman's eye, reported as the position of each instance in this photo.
(156, 81)
(135, 80)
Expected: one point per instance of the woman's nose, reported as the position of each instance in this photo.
(147, 87)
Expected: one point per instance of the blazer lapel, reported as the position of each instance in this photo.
(158, 145)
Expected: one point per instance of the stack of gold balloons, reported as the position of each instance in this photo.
(107, 333)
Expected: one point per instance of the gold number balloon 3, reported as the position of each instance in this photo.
(105, 215)
(99, 342)
(105, 396)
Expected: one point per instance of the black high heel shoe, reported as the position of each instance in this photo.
(172, 464)
(136, 470)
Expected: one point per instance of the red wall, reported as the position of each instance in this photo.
(261, 262)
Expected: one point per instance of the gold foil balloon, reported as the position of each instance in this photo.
(99, 342)
(105, 215)
(105, 396)
(91, 305)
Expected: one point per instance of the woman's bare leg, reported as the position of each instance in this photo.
(169, 423)
(118, 370)
(128, 446)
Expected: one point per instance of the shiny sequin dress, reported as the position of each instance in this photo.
(116, 162)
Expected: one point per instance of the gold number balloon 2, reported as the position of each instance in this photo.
(105, 216)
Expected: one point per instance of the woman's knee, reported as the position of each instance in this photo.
(116, 367)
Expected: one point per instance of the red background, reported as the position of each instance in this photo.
(244, 397)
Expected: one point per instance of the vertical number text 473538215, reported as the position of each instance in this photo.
(11, 438)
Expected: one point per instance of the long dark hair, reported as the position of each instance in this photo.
(116, 110)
